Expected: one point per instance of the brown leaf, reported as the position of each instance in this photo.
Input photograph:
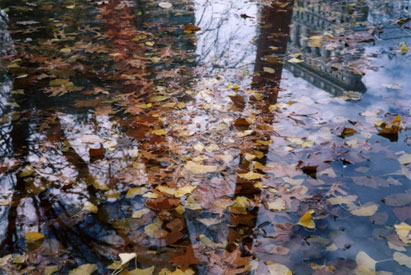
(190, 27)
(187, 259)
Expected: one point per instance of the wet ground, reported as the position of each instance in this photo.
(205, 137)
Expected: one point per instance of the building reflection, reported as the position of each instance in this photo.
(321, 66)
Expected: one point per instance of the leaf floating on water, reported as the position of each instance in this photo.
(278, 269)
(85, 269)
(50, 269)
(90, 207)
(200, 169)
(315, 41)
(402, 259)
(368, 210)
(277, 205)
(405, 159)
(27, 171)
(403, 231)
(159, 132)
(191, 28)
(184, 190)
(158, 98)
(250, 176)
(126, 257)
(165, 5)
(307, 220)
(210, 222)
(365, 264)
(143, 271)
(346, 132)
(34, 236)
(390, 128)
(138, 214)
(403, 48)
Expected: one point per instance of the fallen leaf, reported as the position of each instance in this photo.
(277, 205)
(307, 220)
(403, 231)
(401, 199)
(50, 269)
(402, 259)
(90, 207)
(85, 269)
(368, 210)
(165, 5)
(365, 263)
(126, 257)
(250, 175)
(184, 190)
(210, 222)
(191, 28)
(199, 169)
(278, 269)
(138, 214)
(34, 236)
(403, 48)
(143, 271)
(405, 159)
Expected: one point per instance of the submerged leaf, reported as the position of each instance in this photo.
(199, 169)
(402, 259)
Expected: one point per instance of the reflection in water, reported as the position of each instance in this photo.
(182, 167)
(325, 63)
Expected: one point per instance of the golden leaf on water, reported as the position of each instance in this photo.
(277, 205)
(307, 220)
(199, 168)
(90, 207)
(402, 259)
(34, 236)
(403, 231)
(159, 132)
(143, 271)
(184, 190)
(138, 214)
(367, 210)
(278, 269)
(50, 269)
(403, 48)
(85, 269)
(365, 264)
(126, 257)
(250, 175)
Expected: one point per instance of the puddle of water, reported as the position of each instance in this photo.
(201, 148)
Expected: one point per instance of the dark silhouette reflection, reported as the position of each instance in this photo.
(322, 64)
(271, 45)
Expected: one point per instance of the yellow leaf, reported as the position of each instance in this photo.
(295, 60)
(365, 263)
(138, 214)
(278, 269)
(269, 70)
(404, 48)
(403, 231)
(159, 132)
(126, 257)
(368, 210)
(249, 157)
(240, 206)
(65, 50)
(27, 171)
(132, 192)
(348, 200)
(226, 158)
(154, 231)
(184, 190)
(158, 98)
(402, 259)
(199, 169)
(250, 176)
(307, 220)
(199, 146)
(278, 204)
(235, 87)
(50, 269)
(315, 41)
(212, 147)
(180, 210)
(405, 159)
(5, 260)
(85, 269)
(192, 204)
(34, 236)
(90, 207)
(145, 271)
(150, 195)
(166, 189)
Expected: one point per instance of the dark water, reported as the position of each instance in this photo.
(197, 134)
